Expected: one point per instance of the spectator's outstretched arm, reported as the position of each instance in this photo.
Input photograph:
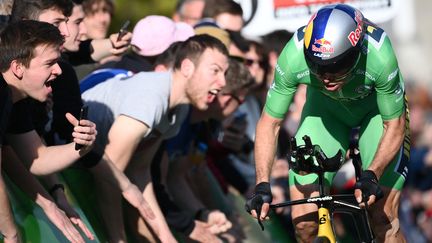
(44, 160)
(183, 194)
(109, 173)
(123, 138)
(52, 181)
(179, 187)
(110, 46)
(178, 219)
(140, 172)
(32, 187)
(7, 225)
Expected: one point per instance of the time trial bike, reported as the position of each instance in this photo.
(310, 158)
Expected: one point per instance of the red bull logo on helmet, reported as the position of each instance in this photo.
(355, 35)
(323, 46)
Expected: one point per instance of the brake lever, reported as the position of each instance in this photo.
(293, 147)
(308, 145)
(293, 144)
(356, 161)
(365, 201)
(258, 211)
(260, 223)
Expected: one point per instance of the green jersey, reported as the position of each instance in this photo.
(373, 92)
(376, 72)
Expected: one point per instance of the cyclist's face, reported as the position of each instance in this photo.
(333, 81)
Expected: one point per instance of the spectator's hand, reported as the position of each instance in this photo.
(62, 222)
(84, 133)
(134, 196)
(201, 233)
(218, 222)
(367, 189)
(119, 47)
(74, 217)
(236, 233)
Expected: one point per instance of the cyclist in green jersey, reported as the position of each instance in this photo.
(353, 80)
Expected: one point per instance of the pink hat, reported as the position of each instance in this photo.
(154, 34)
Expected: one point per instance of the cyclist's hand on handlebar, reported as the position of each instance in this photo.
(259, 203)
(367, 189)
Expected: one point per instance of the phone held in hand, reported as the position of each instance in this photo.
(83, 116)
(123, 30)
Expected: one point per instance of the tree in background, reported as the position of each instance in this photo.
(134, 10)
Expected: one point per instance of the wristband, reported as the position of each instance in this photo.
(263, 188)
(369, 174)
(55, 188)
(368, 184)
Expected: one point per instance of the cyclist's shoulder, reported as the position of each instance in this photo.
(291, 60)
(376, 40)
(294, 47)
(378, 55)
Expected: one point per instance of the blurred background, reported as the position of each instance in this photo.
(406, 22)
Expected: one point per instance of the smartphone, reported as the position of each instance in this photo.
(83, 116)
(123, 30)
